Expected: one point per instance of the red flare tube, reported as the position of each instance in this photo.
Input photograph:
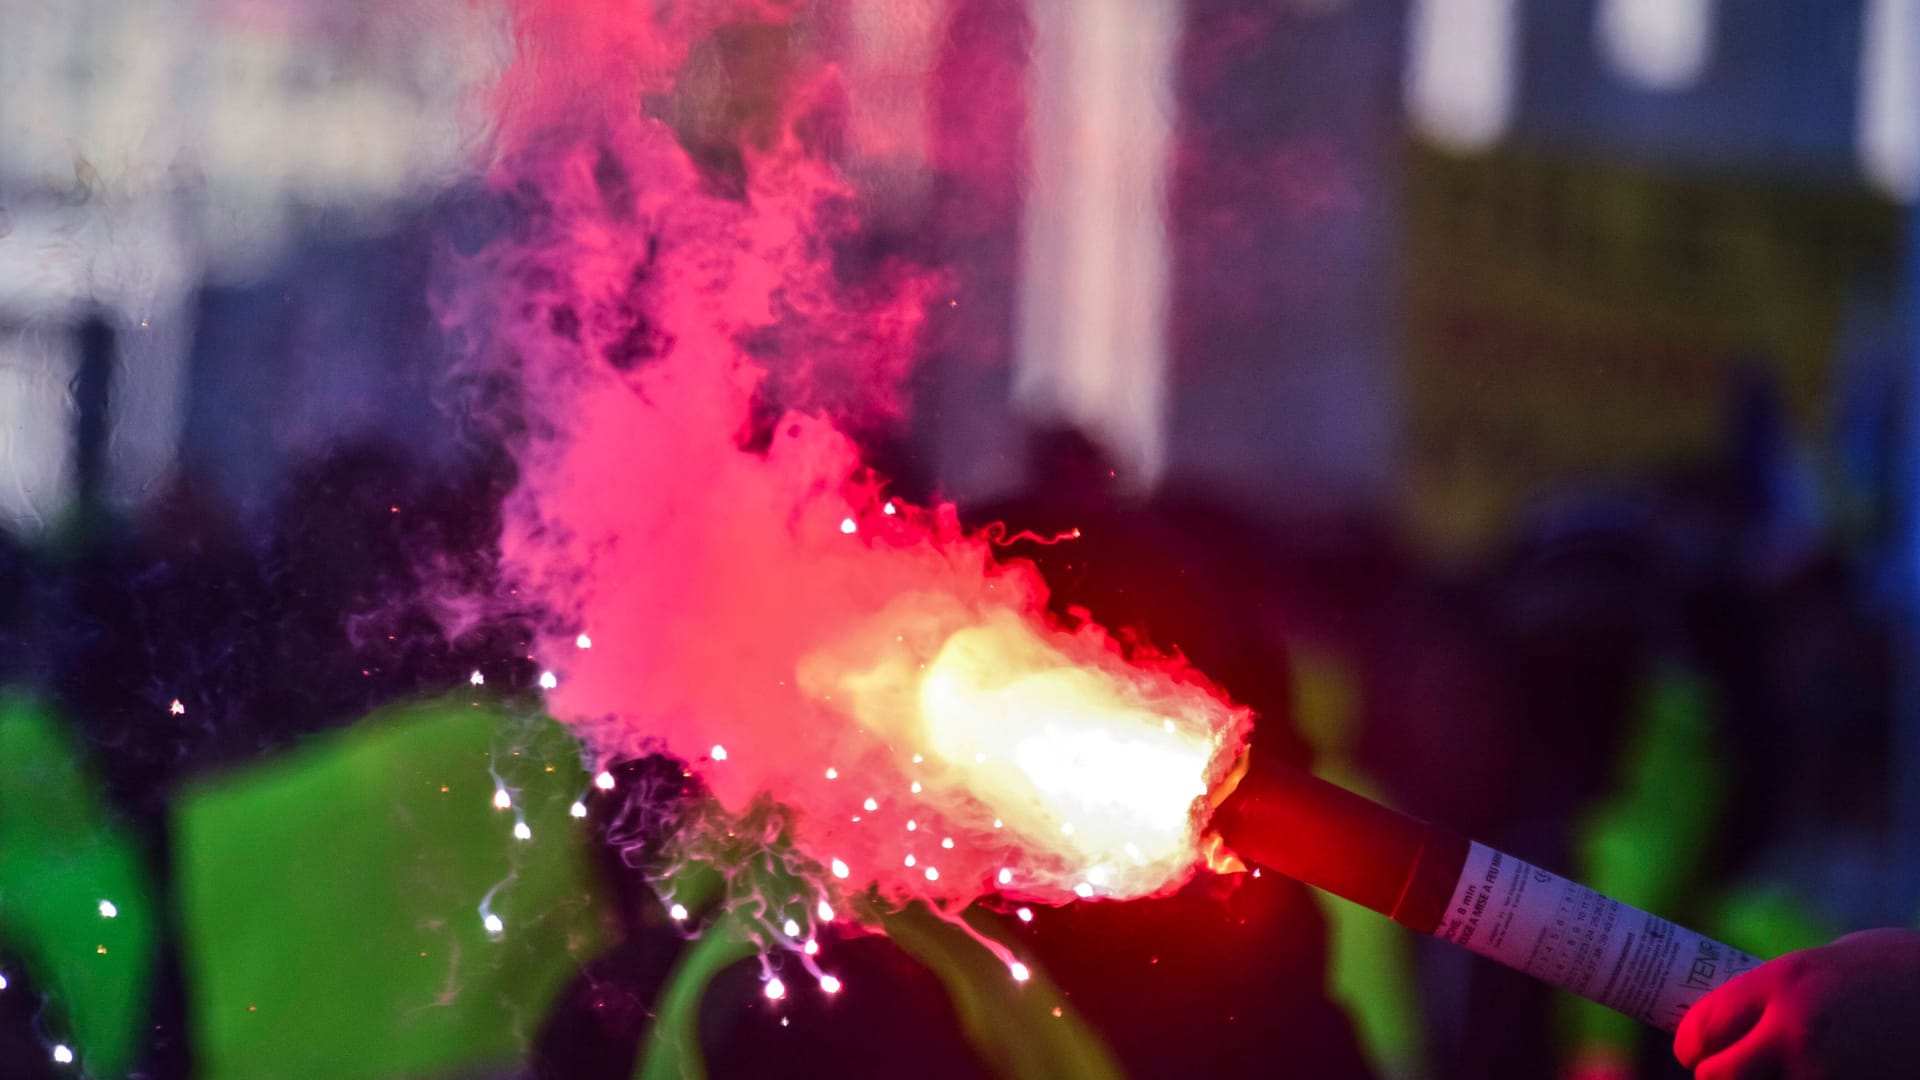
(1435, 881)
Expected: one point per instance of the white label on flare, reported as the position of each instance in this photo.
(1564, 933)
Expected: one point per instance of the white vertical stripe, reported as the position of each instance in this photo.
(1093, 301)
(892, 48)
(1658, 45)
(1460, 70)
(36, 433)
(1889, 120)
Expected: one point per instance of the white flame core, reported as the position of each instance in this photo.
(1071, 760)
(1095, 767)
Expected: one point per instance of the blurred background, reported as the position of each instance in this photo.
(1522, 396)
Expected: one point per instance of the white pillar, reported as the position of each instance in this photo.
(888, 66)
(1659, 45)
(1092, 345)
(1461, 58)
(1889, 111)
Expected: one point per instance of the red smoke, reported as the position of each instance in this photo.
(753, 601)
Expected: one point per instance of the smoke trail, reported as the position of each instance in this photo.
(718, 575)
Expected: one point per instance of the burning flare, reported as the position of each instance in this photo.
(1082, 772)
(715, 573)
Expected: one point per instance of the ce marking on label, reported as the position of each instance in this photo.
(1541, 876)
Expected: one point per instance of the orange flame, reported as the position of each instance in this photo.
(1095, 770)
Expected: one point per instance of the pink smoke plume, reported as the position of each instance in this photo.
(722, 578)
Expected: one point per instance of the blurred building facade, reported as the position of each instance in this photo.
(150, 149)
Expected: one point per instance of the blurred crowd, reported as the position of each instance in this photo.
(1667, 687)
(1680, 681)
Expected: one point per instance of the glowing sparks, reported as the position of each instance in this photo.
(63, 1054)
(871, 804)
(916, 788)
(933, 874)
(947, 843)
(521, 831)
(1083, 890)
(829, 984)
(1006, 876)
(604, 781)
(108, 910)
(909, 861)
(548, 680)
(583, 642)
(718, 753)
(3, 982)
(775, 989)
(792, 928)
(502, 800)
(912, 825)
(476, 678)
(811, 948)
(578, 809)
(889, 509)
(177, 708)
(1019, 971)
(494, 924)
(840, 869)
(824, 911)
(848, 526)
(1026, 914)
(833, 773)
(678, 912)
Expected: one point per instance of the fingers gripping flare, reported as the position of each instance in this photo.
(1755, 1057)
(1723, 1018)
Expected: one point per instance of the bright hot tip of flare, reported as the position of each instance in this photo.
(1047, 743)
(1041, 748)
